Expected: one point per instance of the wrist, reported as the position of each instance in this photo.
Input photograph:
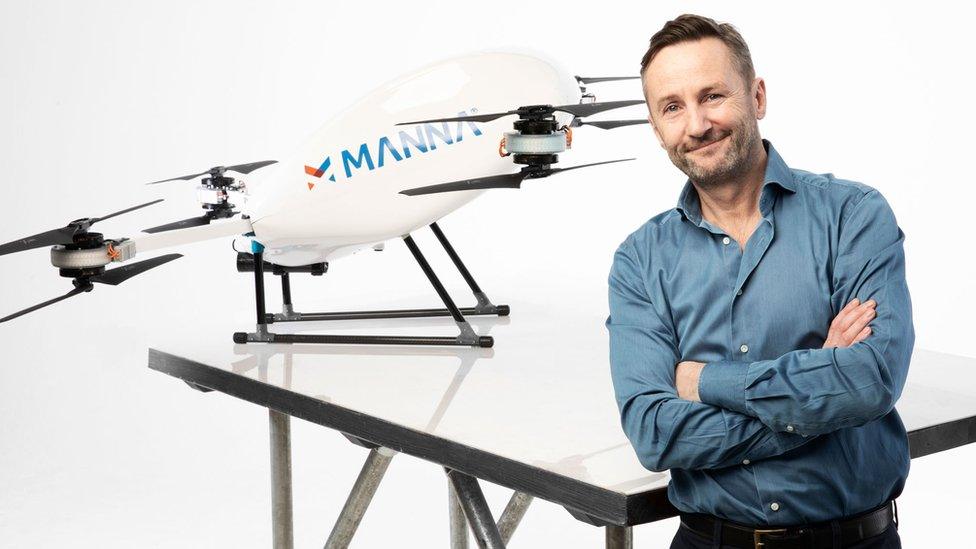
(722, 384)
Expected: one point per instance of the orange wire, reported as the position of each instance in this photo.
(112, 252)
(501, 148)
(569, 136)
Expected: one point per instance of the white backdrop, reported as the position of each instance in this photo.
(97, 98)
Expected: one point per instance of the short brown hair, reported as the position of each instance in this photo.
(688, 28)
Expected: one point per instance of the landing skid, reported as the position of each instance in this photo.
(466, 337)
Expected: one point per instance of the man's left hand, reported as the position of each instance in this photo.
(686, 379)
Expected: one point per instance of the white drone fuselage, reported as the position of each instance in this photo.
(341, 191)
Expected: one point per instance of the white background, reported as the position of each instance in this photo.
(97, 98)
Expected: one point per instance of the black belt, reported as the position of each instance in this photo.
(850, 530)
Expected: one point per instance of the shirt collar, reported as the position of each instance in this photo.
(777, 173)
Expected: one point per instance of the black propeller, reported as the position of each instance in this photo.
(593, 80)
(576, 109)
(609, 124)
(112, 277)
(183, 224)
(80, 287)
(64, 235)
(118, 275)
(505, 181)
(219, 171)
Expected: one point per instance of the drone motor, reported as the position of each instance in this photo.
(537, 139)
(81, 255)
(213, 194)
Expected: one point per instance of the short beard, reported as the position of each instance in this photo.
(738, 159)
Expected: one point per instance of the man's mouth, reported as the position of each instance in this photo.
(703, 147)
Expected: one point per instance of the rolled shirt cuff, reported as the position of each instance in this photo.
(723, 384)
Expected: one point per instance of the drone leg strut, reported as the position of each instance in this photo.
(261, 330)
(287, 309)
(484, 306)
(467, 333)
(467, 337)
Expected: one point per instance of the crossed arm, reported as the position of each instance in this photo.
(754, 410)
(850, 326)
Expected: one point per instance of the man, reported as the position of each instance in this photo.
(740, 349)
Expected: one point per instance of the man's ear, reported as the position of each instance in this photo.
(759, 97)
(657, 134)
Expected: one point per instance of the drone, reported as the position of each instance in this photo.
(380, 170)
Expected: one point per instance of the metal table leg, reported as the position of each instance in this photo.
(362, 493)
(459, 524)
(620, 537)
(281, 504)
(476, 510)
(512, 515)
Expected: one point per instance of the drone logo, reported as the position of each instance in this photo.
(320, 171)
(423, 139)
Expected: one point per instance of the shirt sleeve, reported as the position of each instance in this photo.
(667, 431)
(814, 391)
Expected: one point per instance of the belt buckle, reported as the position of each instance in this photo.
(758, 534)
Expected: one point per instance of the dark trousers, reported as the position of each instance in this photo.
(686, 539)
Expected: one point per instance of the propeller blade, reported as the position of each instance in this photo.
(183, 224)
(48, 238)
(77, 290)
(611, 124)
(181, 178)
(557, 170)
(248, 168)
(506, 181)
(219, 170)
(587, 109)
(577, 109)
(127, 210)
(119, 275)
(469, 118)
(64, 235)
(585, 80)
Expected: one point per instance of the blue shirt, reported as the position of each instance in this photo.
(786, 432)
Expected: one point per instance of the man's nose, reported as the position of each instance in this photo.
(698, 122)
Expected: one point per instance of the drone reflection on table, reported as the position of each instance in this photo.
(264, 357)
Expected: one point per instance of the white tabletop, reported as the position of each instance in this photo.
(542, 396)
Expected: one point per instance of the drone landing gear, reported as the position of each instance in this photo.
(467, 336)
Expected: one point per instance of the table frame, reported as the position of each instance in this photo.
(464, 465)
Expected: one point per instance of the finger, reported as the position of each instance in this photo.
(848, 308)
(858, 325)
(844, 324)
(861, 321)
(863, 335)
(842, 314)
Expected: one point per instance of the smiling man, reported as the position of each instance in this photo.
(761, 331)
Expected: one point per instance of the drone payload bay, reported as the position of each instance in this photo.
(285, 226)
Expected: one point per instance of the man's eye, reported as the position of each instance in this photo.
(712, 96)
(671, 108)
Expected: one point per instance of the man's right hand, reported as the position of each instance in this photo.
(851, 324)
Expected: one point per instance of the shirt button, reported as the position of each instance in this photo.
(744, 348)
(726, 240)
(739, 292)
(746, 462)
(774, 506)
(789, 428)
